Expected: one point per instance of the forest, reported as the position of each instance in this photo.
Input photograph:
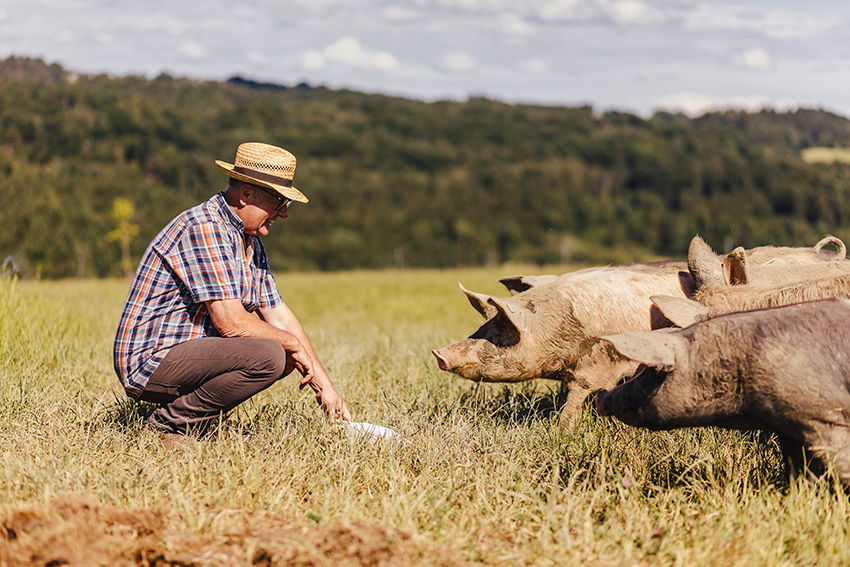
(93, 166)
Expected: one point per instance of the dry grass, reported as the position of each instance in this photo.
(822, 154)
(487, 478)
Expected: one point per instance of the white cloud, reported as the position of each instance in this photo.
(311, 60)
(697, 104)
(755, 58)
(562, 10)
(347, 51)
(65, 36)
(254, 56)
(512, 24)
(458, 62)
(155, 23)
(533, 66)
(397, 13)
(621, 12)
(192, 49)
(766, 20)
(630, 12)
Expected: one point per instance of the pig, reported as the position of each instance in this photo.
(735, 285)
(765, 266)
(785, 369)
(551, 330)
(549, 327)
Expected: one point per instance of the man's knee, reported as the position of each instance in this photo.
(270, 358)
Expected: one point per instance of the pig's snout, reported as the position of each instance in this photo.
(599, 402)
(441, 360)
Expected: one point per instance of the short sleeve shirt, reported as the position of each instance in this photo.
(203, 254)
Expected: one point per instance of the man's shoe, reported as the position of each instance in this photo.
(174, 441)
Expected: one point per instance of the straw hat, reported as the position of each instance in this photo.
(264, 165)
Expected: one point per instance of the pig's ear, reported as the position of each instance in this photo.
(829, 240)
(704, 264)
(658, 349)
(516, 315)
(519, 284)
(679, 310)
(735, 267)
(480, 302)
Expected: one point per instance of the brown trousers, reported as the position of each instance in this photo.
(201, 379)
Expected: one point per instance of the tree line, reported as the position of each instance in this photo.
(399, 182)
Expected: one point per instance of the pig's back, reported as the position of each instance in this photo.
(616, 299)
(805, 346)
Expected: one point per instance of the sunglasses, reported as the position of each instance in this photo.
(282, 202)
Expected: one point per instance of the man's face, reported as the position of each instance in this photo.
(262, 210)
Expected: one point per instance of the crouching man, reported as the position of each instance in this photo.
(189, 337)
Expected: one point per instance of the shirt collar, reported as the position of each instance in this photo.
(220, 202)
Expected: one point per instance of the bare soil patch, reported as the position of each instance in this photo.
(79, 531)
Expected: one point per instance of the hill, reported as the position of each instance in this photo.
(402, 182)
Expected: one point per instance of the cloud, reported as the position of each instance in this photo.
(755, 58)
(254, 56)
(457, 62)
(65, 36)
(631, 12)
(311, 60)
(512, 24)
(192, 49)
(697, 104)
(155, 23)
(348, 52)
(533, 66)
(104, 38)
(562, 10)
(766, 20)
(620, 12)
(397, 13)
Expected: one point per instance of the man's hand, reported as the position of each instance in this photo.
(300, 357)
(327, 397)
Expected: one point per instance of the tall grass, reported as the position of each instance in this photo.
(487, 473)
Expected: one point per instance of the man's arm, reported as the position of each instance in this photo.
(231, 320)
(282, 317)
(281, 325)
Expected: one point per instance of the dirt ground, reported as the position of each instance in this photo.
(79, 531)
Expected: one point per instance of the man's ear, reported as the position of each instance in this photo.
(246, 194)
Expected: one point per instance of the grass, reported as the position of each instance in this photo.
(823, 154)
(488, 477)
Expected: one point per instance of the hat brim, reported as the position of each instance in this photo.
(288, 192)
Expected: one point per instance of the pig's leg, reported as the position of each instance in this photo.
(601, 369)
(798, 459)
(831, 444)
(571, 412)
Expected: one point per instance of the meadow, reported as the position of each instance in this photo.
(487, 477)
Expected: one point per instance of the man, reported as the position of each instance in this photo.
(189, 337)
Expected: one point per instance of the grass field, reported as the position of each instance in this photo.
(487, 478)
(822, 154)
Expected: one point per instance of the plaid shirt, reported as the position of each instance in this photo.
(202, 254)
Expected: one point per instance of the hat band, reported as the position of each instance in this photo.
(263, 176)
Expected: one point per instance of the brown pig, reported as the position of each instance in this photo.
(765, 266)
(785, 369)
(551, 330)
(734, 284)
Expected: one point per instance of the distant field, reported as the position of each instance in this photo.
(826, 155)
(488, 478)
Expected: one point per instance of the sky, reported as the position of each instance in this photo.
(631, 55)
